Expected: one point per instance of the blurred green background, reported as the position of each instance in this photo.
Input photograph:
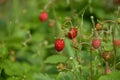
(25, 42)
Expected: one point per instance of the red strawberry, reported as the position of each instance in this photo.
(98, 26)
(72, 33)
(96, 43)
(43, 16)
(59, 44)
(117, 42)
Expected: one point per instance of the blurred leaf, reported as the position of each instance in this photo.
(55, 59)
(69, 76)
(65, 76)
(42, 77)
(12, 68)
(13, 78)
(111, 76)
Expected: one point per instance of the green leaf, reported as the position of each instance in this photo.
(111, 76)
(69, 76)
(41, 76)
(65, 76)
(12, 68)
(13, 78)
(55, 59)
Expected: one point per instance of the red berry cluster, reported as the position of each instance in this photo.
(59, 43)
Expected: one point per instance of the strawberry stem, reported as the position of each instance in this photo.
(91, 71)
(114, 48)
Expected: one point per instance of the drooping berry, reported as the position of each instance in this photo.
(107, 71)
(74, 40)
(72, 33)
(98, 26)
(51, 23)
(106, 55)
(117, 42)
(59, 44)
(96, 43)
(43, 16)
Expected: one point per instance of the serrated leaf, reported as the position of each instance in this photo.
(12, 68)
(111, 76)
(55, 59)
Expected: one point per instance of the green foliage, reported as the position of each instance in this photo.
(65, 76)
(111, 76)
(27, 45)
(42, 77)
(55, 59)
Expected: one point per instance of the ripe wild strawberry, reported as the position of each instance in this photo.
(43, 16)
(59, 44)
(96, 43)
(72, 33)
(98, 26)
(117, 42)
(106, 55)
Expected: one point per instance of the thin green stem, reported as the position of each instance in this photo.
(114, 48)
(107, 65)
(94, 28)
(91, 70)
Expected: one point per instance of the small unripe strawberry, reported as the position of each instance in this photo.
(72, 33)
(51, 23)
(106, 55)
(96, 43)
(61, 67)
(117, 42)
(107, 71)
(118, 20)
(43, 16)
(59, 44)
(98, 26)
(74, 40)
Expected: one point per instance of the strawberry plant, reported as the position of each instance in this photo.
(59, 40)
